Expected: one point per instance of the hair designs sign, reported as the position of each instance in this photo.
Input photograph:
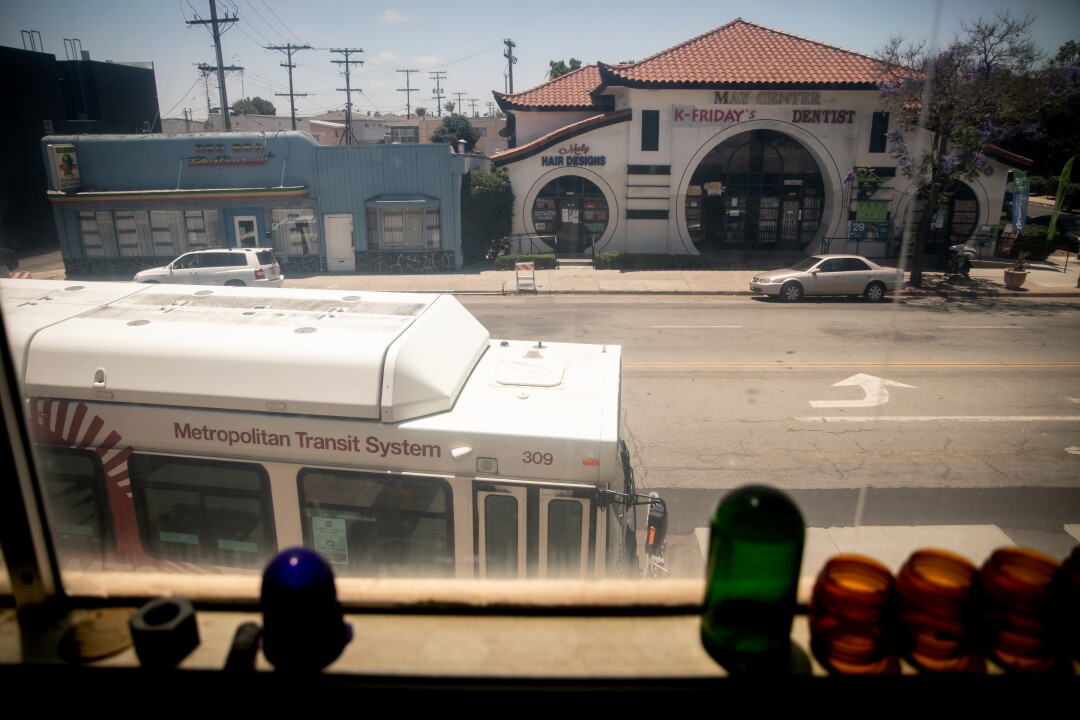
(573, 155)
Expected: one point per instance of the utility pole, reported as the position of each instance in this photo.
(348, 89)
(437, 76)
(407, 90)
(214, 22)
(472, 105)
(491, 108)
(510, 60)
(291, 95)
(460, 105)
(208, 70)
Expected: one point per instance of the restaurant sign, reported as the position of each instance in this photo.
(213, 155)
(64, 167)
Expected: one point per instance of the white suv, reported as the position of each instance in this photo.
(255, 267)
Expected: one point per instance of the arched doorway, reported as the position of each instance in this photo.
(953, 223)
(574, 210)
(758, 191)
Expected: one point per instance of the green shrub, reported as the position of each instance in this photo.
(487, 208)
(540, 262)
(1038, 185)
(1034, 241)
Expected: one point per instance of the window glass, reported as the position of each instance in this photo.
(202, 511)
(77, 499)
(97, 233)
(650, 130)
(564, 539)
(377, 525)
(294, 231)
(501, 534)
(133, 233)
(186, 261)
(879, 128)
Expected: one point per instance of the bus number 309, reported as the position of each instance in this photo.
(537, 458)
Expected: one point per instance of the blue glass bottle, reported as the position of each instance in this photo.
(755, 556)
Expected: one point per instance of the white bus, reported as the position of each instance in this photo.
(183, 428)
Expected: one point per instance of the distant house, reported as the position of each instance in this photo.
(330, 128)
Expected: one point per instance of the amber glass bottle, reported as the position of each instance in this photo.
(938, 593)
(755, 555)
(1021, 632)
(852, 614)
(1067, 605)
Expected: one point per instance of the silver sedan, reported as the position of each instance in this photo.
(851, 275)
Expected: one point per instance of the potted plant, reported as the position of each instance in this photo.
(1017, 274)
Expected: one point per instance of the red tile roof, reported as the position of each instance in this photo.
(571, 91)
(738, 53)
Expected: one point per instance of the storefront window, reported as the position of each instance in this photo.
(142, 233)
(403, 223)
(294, 232)
(574, 211)
(179, 231)
(758, 190)
(953, 223)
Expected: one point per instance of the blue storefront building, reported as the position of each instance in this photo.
(127, 202)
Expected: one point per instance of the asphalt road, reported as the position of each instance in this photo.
(899, 420)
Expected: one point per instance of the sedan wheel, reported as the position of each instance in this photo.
(792, 292)
(875, 292)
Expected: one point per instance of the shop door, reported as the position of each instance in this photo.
(569, 234)
(789, 220)
(246, 230)
(339, 243)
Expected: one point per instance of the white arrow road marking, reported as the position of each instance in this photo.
(874, 387)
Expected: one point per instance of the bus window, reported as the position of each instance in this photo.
(565, 543)
(378, 525)
(202, 511)
(502, 529)
(77, 502)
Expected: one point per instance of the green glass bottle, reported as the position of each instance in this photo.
(755, 556)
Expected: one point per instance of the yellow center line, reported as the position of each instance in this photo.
(783, 363)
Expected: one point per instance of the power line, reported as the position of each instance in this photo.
(289, 49)
(348, 88)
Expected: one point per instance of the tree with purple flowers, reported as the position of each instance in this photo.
(948, 107)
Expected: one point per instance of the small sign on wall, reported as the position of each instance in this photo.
(64, 167)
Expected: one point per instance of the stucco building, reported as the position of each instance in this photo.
(736, 144)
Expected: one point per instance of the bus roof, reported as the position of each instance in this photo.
(371, 355)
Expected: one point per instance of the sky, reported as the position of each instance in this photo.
(457, 47)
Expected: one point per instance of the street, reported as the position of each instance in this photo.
(916, 415)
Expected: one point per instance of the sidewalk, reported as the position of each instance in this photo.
(1055, 277)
